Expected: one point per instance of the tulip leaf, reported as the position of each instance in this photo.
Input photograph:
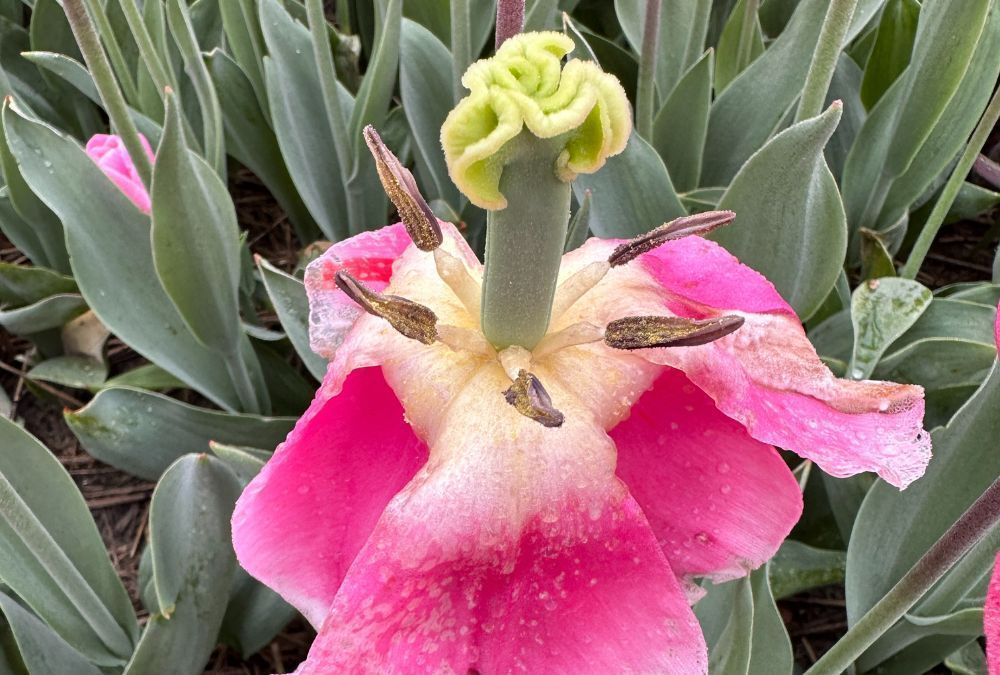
(754, 106)
(72, 370)
(306, 141)
(109, 242)
(23, 284)
(905, 117)
(797, 235)
(631, 194)
(39, 647)
(244, 462)
(730, 62)
(845, 87)
(195, 239)
(683, 26)
(51, 312)
(969, 660)
(895, 528)
(241, 25)
(743, 628)
(44, 224)
(891, 52)
(54, 559)
(882, 310)
(147, 376)
(949, 135)
(251, 141)
(798, 567)
(425, 72)
(193, 565)
(876, 261)
(254, 615)
(681, 125)
(128, 429)
(579, 225)
(288, 295)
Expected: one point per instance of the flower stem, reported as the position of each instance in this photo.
(965, 533)
(510, 19)
(951, 188)
(107, 87)
(824, 61)
(524, 245)
(646, 87)
(461, 43)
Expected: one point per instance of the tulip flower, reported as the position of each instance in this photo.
(470, 493)
(110, 154)
(991, 614)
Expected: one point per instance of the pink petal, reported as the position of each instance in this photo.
(303, 519)
(768, 376)
(576, 595)
(109, 153)
(991, 621)
(719, 501)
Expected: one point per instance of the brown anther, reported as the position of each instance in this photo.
(529, 398)
(421, 223)
(641, 332)
(698, 224)
(409, 318)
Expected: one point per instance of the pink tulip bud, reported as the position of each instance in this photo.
(110, 154)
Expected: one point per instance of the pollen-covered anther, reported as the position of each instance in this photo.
(642, 332)
(699, 224)
(421, 223)
(409, 318)
(529, 398)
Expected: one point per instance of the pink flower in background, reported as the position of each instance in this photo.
(438, 510)
(110, 154)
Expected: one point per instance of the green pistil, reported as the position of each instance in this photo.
(527, 128)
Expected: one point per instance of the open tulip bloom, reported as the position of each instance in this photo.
(476, 489)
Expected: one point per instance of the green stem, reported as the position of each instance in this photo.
(107, 86)
(646, 87)
(461, 43)
(147, 50)
(745, 45)
(524, 245)
(971, 527)
(951, 188)
(824, 61)
(114, 51)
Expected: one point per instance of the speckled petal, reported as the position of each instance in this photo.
(109, 153)
(719, 501)
(575, 595)
(302, 520)
(767, 374)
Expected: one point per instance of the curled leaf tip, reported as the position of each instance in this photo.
(409, 318)
(698, 224)
(397, 181)
(643, 332)
(525, 85)
(529, 398)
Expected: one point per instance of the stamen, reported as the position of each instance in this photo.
(577, 334)
(529, 398)
(699, 224)
(574, 287)
(454, 273)
(409, 318)
(421, 223)
(641, 332)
